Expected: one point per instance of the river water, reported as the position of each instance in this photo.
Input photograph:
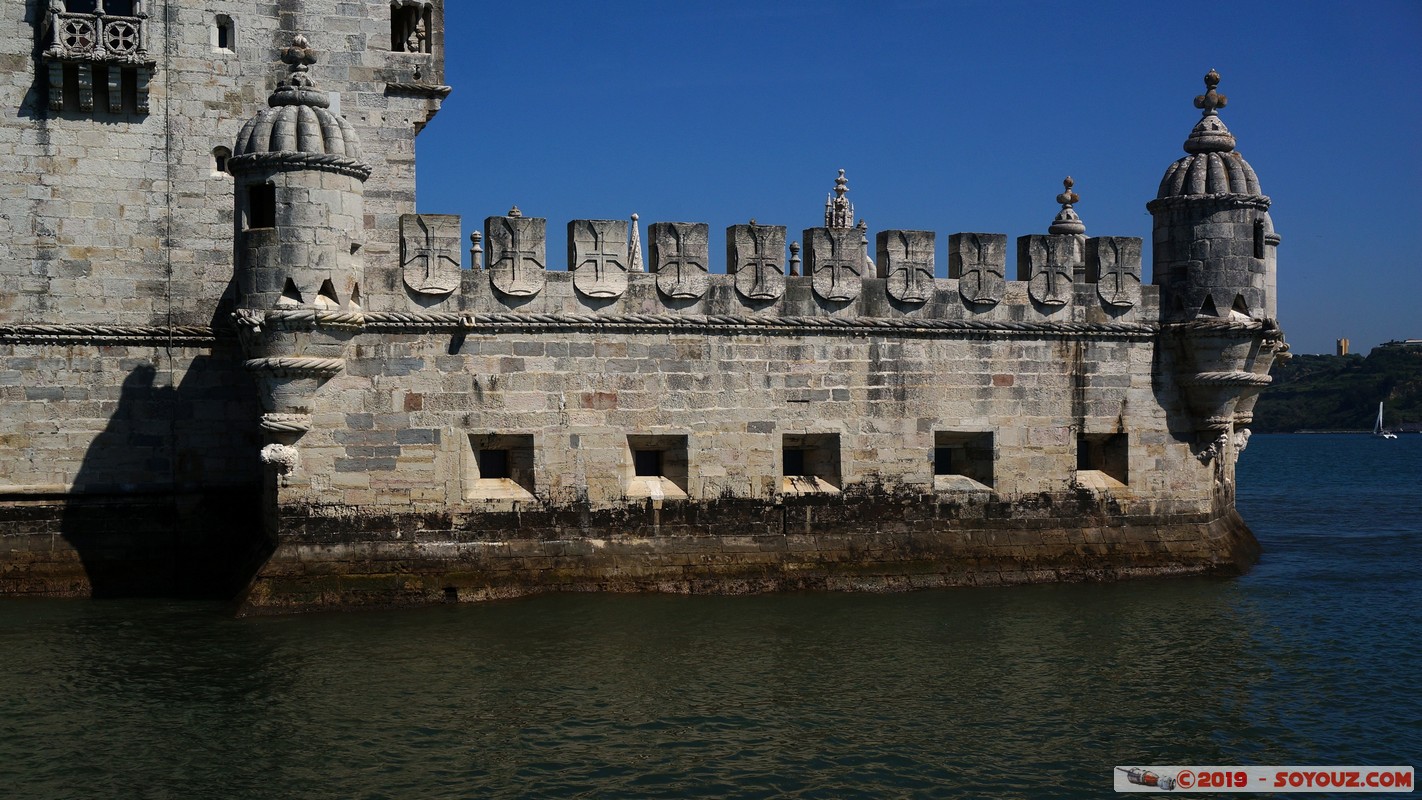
(997, 692)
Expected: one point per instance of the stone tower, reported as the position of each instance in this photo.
(299, 199)
(1214, 255)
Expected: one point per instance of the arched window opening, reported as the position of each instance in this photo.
(219, 161)
(224, 33)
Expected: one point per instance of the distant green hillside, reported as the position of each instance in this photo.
(1342, 392)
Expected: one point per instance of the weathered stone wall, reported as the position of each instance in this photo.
(120, 376)
(388, 500)
(395, 428)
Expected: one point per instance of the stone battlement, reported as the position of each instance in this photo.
(1060, 277)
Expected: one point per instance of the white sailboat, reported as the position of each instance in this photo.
(1379, 430)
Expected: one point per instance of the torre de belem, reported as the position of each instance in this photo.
(235, 361)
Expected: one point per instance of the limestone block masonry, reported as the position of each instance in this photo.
(235, 361)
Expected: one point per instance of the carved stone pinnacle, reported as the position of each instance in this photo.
(514, 212)
(1068, 197)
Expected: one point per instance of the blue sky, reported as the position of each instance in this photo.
(948, 116)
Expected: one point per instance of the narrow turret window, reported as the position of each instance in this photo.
(261, 206)
(219, 161)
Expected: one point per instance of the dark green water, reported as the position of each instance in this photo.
(1012, 692)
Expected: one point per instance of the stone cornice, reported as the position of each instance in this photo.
(289, 161)
(1222, 200)
(434, 90)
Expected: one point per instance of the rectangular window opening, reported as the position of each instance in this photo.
(809, 463)
(500, 467)
(963, 460)
(1102, 460)
(659, 466)
(410, 28)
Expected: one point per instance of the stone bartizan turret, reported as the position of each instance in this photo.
(299, 212)
(1214, 260)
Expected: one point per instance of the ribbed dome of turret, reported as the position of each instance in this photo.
(1212, 166)
(297, 128)
(298, 120)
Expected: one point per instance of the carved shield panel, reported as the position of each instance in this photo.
(598, 257)
(1113, 263)
(834, 260)
(979, 262)
(1046, 263)
(429, 252)
(679, 253)
(516, 252)
(906, 262)
(755, 254)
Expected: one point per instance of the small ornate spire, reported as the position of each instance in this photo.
(514, 212)
(635, 247)
(839, 212)
(794, 258)
(1066, 220)
(1211, 101)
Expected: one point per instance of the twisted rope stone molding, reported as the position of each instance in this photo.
(296, 366)
(397, 322)
(1226, 199)
(450, 322)
(136, 335)
(287, 161)
(1212, 327)
(286, 423)
(435, 90)
(288, 319)
(1226, 379)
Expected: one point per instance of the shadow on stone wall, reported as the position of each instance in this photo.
(167, 499)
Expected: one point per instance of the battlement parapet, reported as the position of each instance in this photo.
(1059, 276)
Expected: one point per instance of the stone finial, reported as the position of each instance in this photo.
(839, 212)
(298, 89)
(514, 212)
(476, 251)
(300, 57)
(1211, 101)
(634, 256)
(1067, 220)
(794, 258)
(1210, 134)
